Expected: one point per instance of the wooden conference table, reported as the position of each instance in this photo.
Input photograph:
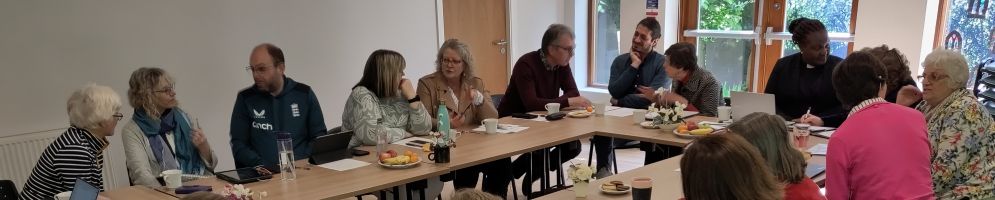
(666, 178)
(471, 149)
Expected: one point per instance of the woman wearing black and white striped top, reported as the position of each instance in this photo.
(77, 153)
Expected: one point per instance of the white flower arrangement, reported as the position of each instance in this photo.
(240, 192)
(580, 173)
(668, 114)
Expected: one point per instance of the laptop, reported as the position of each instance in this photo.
(744, 103)
(84, 191)
(330, 147)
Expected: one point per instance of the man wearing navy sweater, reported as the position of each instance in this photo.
(273, 104)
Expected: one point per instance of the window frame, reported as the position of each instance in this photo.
(768, 40)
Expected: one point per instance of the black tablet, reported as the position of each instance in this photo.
(242, 175)
(82, 190)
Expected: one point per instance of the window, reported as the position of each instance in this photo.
(969, 27)
(739, 41)
(605, 40)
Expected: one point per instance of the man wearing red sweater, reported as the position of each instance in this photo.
(537, 79)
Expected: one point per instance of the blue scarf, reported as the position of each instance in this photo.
(172, 120)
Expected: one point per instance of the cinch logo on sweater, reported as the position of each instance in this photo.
(259, 114)
(268, 127)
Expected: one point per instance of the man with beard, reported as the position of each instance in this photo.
(273, 104)
(640, 68)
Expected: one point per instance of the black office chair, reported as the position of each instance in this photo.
(8, 190)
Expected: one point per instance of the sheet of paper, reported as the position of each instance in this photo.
(620, 112)
(819, 149)
(826, 134)
(344, 164)
(503, 128)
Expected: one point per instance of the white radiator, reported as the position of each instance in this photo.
(19, 154)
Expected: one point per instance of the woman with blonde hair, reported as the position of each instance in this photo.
(77, 154)
(468, 103)
(769, 135)
(706, 175)
(160, 136)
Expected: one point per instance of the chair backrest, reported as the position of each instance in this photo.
(8, 190)
(496, 98)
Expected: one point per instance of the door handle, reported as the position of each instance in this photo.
(504, 44)
(501, 42)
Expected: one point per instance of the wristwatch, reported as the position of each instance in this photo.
(416, 99)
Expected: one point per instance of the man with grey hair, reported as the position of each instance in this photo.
(78, 154)
(536, 80)
(273, 104)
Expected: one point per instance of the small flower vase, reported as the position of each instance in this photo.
(580, 189)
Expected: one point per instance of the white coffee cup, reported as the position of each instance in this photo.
(490, 125)
(725, 113)
(173, 178)
(552, 108)
(599, 109)
(638, 116)
(64, 195)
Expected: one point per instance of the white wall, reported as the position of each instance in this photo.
(50, 48)
(529, 19)
(909, 30)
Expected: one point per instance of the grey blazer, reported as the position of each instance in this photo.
(143, 169)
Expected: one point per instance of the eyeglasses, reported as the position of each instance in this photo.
(167, 89)
(569, 49)
(262, 67)
(452, 61)
(931, 77)
(118, 116)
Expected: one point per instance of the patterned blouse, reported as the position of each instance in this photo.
(701, 90)
(365, 114)
(963, 147)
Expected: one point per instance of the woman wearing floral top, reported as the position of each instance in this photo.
(960, 130)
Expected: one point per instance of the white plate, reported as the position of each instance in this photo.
(616, 192)
(409, 165)
(649, 125)
(579, 114)
(689, 136)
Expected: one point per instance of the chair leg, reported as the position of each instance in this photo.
(614, 161)
(397, 193)
(590, 152)
(514, 189)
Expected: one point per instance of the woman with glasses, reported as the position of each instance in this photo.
(960, 129)
(468, 103)
(78, 154)
(160, 136)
